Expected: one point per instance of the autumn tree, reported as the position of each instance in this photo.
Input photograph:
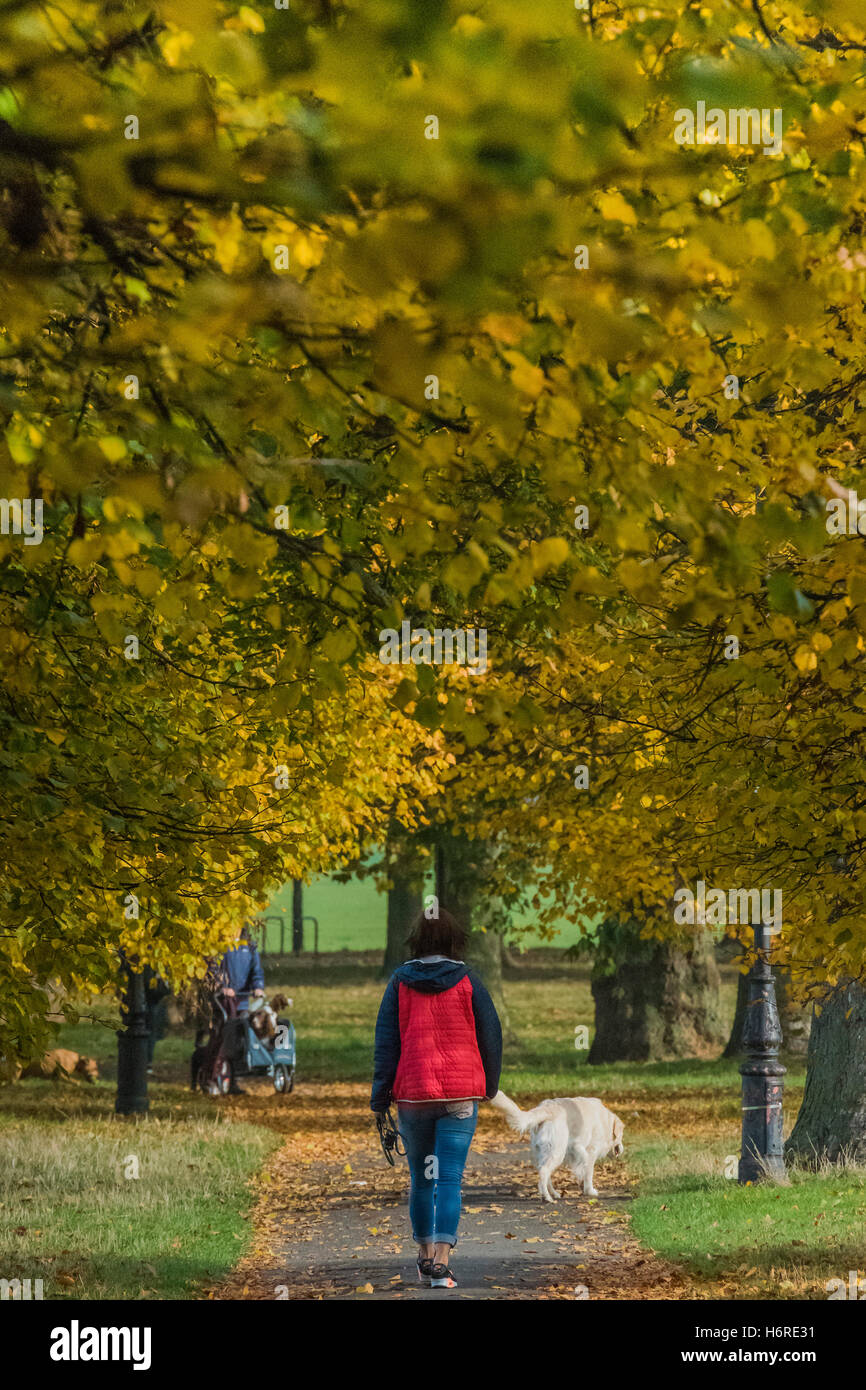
(330, 318)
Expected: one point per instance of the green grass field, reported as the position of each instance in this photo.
(352, 917)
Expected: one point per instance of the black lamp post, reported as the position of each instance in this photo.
(132, 1047)
(762, 1072)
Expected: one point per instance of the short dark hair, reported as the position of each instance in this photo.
(441, 935)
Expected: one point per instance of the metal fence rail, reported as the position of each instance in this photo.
(259, 928)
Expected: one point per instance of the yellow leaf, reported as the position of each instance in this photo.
(252, 21)
(19, 447)
(549, 553)
(762, 243)
(148, 581)
(559, 417)
(614, 208)
(805, 659)
(468, 25)
(525, 377)
(176, 45)
(505, 328)
(227, 234)
(307, 249)
(113, 447)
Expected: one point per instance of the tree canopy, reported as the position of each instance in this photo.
(320, 318)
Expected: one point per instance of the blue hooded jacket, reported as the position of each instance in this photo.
(241, 970)
(432, 977)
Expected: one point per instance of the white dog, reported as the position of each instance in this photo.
(576, 1132)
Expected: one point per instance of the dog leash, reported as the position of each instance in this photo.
(389, 1136)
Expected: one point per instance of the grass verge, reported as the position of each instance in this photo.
(766, 1241)
(99, 1208)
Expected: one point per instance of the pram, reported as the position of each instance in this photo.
(213, 1073)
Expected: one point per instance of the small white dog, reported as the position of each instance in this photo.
(576, 1132)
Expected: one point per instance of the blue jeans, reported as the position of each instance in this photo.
(436, 1146)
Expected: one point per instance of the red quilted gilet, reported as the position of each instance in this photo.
(439, 1057)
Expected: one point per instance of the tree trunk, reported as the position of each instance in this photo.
(297, 914)
(832, 1119)
(653, 999)
(405, 902)
(407, 859)
(484, 954)
(462, 866)
(794, 1019)
(734, 1047)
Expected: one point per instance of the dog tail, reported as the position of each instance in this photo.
(522, 1120)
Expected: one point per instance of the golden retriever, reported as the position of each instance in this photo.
(576, 1132)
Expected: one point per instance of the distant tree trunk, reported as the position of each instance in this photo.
(405, 898)
(832, 1119)
(484, 954)
(653, 999)
(794, 1018)
(462, 866)
(404, 903)
(297, 914)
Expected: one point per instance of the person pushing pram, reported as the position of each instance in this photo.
(235, 978)
(246, 1036)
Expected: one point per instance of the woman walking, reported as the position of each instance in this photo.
(438, 1053)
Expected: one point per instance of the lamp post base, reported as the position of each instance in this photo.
(132, 1098)
(132, 1049)
(762, 1153)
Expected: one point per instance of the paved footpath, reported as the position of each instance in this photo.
(345, 1235)
(331, 1220)
(511, 1243)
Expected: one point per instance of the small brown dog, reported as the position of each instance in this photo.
(264, 1020)
(62, 1065)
